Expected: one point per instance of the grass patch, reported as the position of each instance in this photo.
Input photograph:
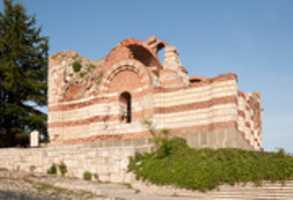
(87, 176)
(175, 163)
(56, 169)
(62, 168)
(52, 169)
(76, 66)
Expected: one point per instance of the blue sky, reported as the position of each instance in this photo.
(251, 38)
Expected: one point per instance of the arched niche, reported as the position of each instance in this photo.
(125, 104)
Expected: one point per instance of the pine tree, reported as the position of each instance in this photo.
(23, 74)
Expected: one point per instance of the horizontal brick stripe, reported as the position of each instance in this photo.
(96, 118)
(138, 105)
(76, 105)
(169, 101)
(97, 100)
(136, 126)
(197, 105)
(188, 121)
(139, 135)
(172, 109)
(105, 109)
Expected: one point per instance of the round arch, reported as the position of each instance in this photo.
(133, 49)
(131, 65)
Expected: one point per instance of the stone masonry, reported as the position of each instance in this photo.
(110, 164)
(110, 99)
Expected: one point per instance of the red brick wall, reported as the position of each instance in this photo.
(125, 81)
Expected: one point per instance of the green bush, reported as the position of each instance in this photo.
(52, 169)
(62, 168)
(175, 163)
(87, 176)
(76, 66)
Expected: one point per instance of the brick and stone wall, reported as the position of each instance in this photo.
(209, 112)
(249, 118)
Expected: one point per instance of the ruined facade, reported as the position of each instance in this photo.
(121, 98)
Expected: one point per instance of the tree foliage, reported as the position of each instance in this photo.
(23, 74)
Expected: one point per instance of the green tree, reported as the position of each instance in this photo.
(23, 74)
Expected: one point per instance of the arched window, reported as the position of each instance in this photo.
(125, 107)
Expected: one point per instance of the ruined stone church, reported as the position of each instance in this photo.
(109, 100)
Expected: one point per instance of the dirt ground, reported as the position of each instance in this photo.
(25, 186)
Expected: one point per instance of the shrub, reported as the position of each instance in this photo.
(62, 168)
(87, 176)
(76, 66)
(52, 169)
(175, 163)
(82, 74)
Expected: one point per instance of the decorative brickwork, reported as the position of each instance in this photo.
(85, 104)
